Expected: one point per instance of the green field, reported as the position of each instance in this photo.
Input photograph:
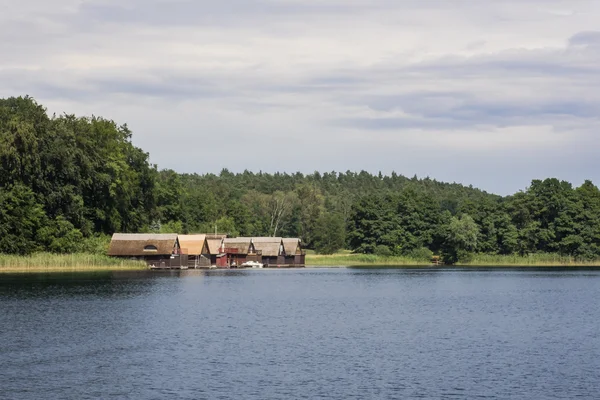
(48, 262)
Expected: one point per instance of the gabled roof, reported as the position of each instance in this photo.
(142, 244)
(192, 244)
(214, 243)
(269, 246)
(292, 246)
(237, 245)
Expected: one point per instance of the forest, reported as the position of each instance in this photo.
(68, 182)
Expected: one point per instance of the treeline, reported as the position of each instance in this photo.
(67, 182)
(65, 178)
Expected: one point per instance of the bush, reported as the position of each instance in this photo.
(421, 254)
(95, 245)
(60, 236)
(465, 257)
(383, 251)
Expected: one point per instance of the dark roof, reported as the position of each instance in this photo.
(142, 244)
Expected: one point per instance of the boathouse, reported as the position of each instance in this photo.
(158, 250)
(213, 243)
(196, 248)
(237, 251)
(271, 250)
(294, 255)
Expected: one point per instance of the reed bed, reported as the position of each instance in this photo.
(483, 260)
(65, 262)
(532, 260)
(349, 259)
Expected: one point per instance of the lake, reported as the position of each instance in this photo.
(339, 333)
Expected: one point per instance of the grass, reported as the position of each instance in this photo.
(48, 262)
(532, 260)
(346, 258)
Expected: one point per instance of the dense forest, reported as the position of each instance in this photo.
(68, 182)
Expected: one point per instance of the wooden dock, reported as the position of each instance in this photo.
(163, 266)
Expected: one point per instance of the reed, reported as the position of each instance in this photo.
(532, 260)
(60, 262)
(350, 259)
(483, 260)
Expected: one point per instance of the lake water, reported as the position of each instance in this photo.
(302, 334)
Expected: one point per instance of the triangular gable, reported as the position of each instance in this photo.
(193, 244)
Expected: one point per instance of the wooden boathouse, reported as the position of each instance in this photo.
(196, 248)
(236, 251)
(213, 243)
(270, 249)
(157, 250)
(294, 255)
(277, 252)
(170, 251)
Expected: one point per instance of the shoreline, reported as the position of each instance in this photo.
(480, 260)
(51, 269)
(49, 263)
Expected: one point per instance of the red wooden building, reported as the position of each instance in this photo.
(237, 251)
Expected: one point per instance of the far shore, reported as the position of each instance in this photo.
(347, 259)
(48, 263)
(51, 269)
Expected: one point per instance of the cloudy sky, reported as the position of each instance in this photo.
(491, 93)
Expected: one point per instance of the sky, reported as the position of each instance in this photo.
(489, 93)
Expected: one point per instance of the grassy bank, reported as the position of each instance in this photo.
(532, 260)
(48, 262)
(346, 258)
(349, 259)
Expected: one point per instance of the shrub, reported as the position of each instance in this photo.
(421, 254)
(383, 251)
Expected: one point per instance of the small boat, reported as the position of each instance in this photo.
(252, 264)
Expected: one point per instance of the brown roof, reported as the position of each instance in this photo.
(264, 239)
(292, 246)
(269, 246)
(142, 244)
(192, 244)
(214, 243)
(237, 245)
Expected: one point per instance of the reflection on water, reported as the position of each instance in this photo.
(328, 333)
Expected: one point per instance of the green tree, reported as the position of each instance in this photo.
(21, 217)
(329, 233)
(461, 239)
(60, 236)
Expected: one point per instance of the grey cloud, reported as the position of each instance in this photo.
(164, 87)
(472, 113)
(591, 38)
(53, 84)
(524, 63)
(395, 124)
(194, 13)
(467, 106)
